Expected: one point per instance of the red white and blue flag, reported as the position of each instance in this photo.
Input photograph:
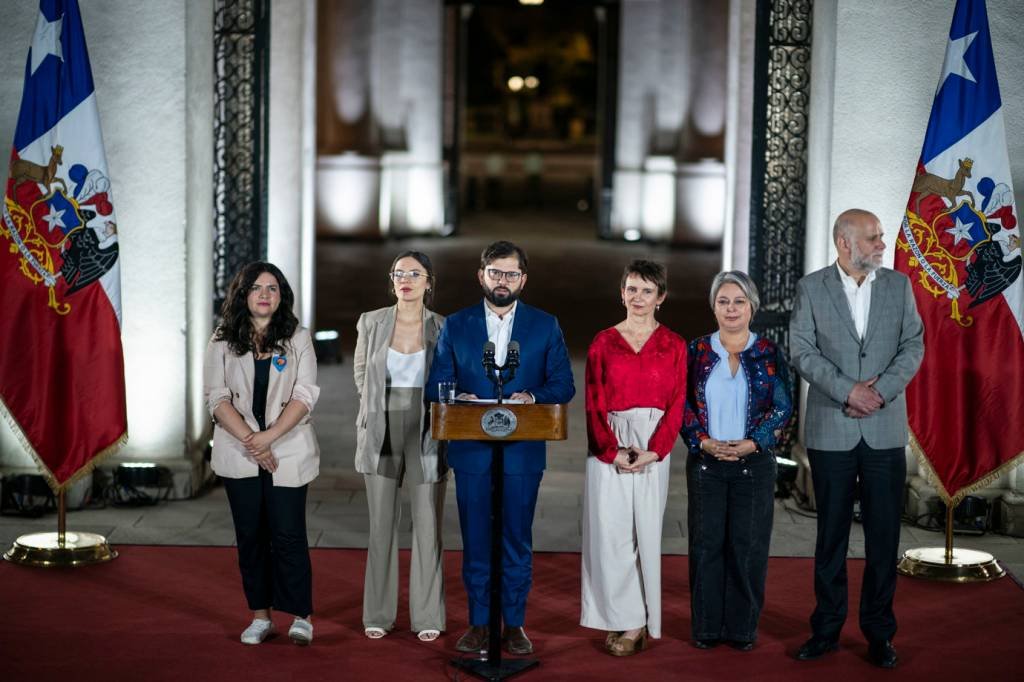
(960, 246)
(62, 367)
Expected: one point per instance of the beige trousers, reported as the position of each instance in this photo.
(400, 460)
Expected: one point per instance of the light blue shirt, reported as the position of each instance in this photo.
(726, 395)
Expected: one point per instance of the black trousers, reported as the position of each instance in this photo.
(731, 505)
(273, 552)
(881, 475)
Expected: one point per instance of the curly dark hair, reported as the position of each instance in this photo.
(649, 271)
(236, 321)
(424, 260)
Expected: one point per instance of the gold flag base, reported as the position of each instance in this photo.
(958, 566)
(47, 550)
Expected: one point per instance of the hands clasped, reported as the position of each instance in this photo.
(864, 400)
(633, 460)
(257, 445)
(728, 450)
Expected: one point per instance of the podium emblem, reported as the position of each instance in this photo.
(499, 422)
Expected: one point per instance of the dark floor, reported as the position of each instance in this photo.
(573, 274)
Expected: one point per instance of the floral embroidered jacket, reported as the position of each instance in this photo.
(769, 405)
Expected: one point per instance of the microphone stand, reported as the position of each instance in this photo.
(493, 668)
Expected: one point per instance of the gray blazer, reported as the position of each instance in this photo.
(369, 367)
(829, 354)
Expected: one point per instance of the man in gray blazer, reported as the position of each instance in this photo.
(857, 339)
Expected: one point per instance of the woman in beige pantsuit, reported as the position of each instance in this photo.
(394, 348)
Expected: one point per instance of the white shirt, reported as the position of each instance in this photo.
(406, 370)
(859, 298)
(499, 330)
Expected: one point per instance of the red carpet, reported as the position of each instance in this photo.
(175, 613)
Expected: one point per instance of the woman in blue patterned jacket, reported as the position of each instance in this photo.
(737, 402)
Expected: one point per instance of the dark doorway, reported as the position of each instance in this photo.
(529, 113)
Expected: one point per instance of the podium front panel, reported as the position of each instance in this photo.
(467, 421)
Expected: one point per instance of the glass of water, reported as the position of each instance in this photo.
(446, 391)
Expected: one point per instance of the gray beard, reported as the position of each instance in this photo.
(865, 263)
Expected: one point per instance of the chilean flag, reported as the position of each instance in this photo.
(960, 246)
(61, 366)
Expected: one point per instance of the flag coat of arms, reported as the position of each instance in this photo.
(960, 246)
(62, 366)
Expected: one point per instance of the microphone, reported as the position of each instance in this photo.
(489, 364)
(512, 359)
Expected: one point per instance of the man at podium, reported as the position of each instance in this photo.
(544, 376)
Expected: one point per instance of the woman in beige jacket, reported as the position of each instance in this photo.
(394, 349)
(259, 380)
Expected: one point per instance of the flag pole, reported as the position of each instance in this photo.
(62, 520)
(60, 549)
(949, 534)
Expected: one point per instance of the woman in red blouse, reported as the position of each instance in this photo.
(636, 391)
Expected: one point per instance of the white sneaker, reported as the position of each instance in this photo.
(257, 631)
(301, 631)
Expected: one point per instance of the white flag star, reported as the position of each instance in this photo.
(954, 64)
(46, 41)
(55, 218)
(960, 232)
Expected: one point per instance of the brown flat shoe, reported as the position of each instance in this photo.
(474, 641)
(611, 638)
(516, 641)
(624, 646)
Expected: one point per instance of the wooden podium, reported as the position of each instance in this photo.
(497, 423)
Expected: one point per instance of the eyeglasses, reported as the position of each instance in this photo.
(414, 275)
(509, 277)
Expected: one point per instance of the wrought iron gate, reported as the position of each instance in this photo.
(241, 43)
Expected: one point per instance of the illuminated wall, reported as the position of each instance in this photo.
(378, 167)
(669, 182)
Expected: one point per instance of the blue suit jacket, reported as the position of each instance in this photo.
(544, 371)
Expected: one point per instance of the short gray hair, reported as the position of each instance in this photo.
(740, 279)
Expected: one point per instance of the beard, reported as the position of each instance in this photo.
(504, 298)
(863, 261)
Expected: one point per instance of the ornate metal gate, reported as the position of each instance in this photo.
(778, 197)
(241, 43)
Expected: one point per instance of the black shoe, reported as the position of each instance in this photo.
(882, 654)
(816, 647)
(705, 643)
(741, 645)
(474, 641)
(516, 641)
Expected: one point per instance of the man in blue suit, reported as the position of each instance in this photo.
(544, 376)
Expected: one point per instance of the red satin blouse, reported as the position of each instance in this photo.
(618, 378)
